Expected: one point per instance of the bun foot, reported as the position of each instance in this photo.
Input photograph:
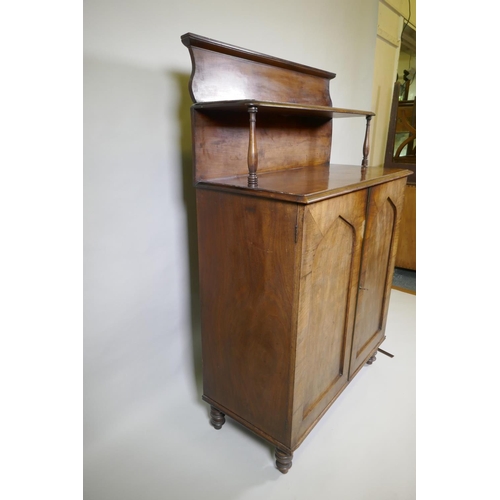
(216, 418)
(371, 360)
(283, 460)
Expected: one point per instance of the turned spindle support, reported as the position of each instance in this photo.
(217, 419)
(253, 160)
(283, 460)
(366, 143)
(371, 360)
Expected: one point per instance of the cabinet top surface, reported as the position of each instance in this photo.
(308, 184)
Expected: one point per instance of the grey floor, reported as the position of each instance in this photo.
(405, 278)
(363, 448)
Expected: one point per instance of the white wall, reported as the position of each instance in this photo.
(386, 60)
(140, 274)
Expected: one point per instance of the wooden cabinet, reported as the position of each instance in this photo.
(296, 255)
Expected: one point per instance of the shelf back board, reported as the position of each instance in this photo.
(225, 72)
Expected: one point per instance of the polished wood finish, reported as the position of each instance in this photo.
(247, 256)
(283, 109)
(366, 143)
(227, 81)
(406, 256)
(225, 72)
(221, 143)
(296, 254)
(253, 160)
(307, 184)
(403, 121)
(332, 233)
(380, 242)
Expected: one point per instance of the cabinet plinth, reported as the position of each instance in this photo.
(296, 255)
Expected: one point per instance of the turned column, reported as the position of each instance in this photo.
(366, 143)
(253, 160)
(283, 460)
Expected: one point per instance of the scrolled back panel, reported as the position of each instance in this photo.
(225, 72)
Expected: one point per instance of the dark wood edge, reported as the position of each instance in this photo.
(193, 40)
(219, 185)
(404, 161)
(242, 105)
(406, 104)
(299, 234)
(246, 424)
(389, 150)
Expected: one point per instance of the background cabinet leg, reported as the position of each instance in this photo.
(216, 418)
(283, 460)
(371, 360)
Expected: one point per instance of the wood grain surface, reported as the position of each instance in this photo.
(331, 251)
(225, 72)
(247, 261)
(385, 203)
(406, 256)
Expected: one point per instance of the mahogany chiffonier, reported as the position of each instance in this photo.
(296, 254)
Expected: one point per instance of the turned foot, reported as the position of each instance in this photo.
(216, 418)
(283, 460)
(371, 360)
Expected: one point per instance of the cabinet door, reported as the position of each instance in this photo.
(331, 250)
(377, 267)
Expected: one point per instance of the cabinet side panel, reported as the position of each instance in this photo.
(246, 253)
(331, 252)
(377, 268)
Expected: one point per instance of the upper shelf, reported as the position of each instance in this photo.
(228, 81)
(282, 108)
